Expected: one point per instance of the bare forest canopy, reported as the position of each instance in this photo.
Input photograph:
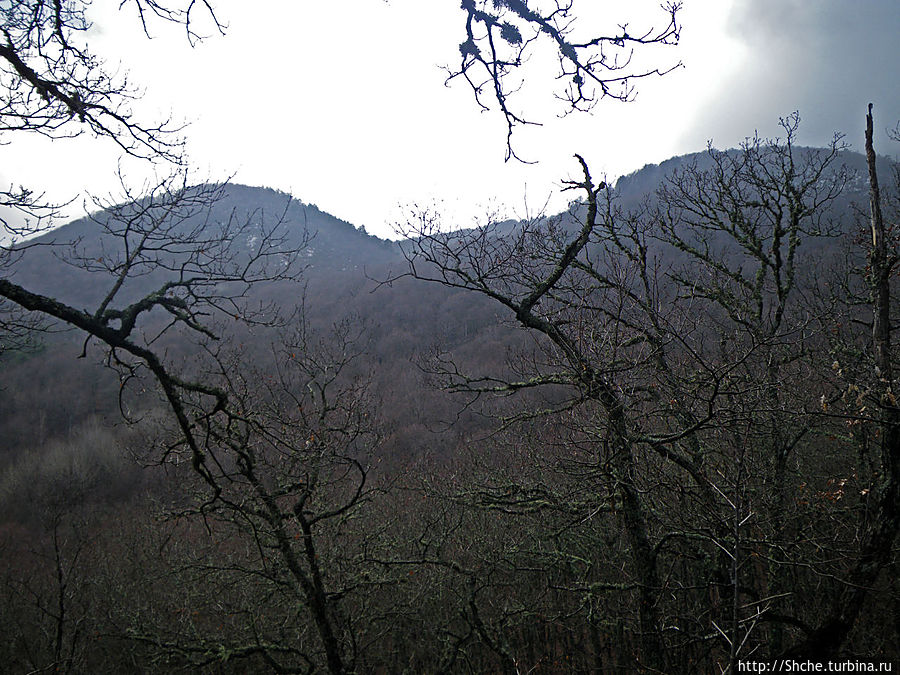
(644, 433)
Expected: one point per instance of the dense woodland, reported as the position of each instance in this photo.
(654, 433)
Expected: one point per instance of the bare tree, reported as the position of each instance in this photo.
(865, 396)
(532, 279)
(746, 223)
(703, 431)
(204, 270)
(53, 85)
(500, 37)
(289, 459)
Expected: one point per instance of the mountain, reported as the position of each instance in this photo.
(699, 437)
(341, 267)
(55, 264)
(342, 270)
(631, 189)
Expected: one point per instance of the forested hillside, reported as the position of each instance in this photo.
(646, 433)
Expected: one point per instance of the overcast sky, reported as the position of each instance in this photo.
(343, 103)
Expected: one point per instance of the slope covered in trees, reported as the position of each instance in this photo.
(646, 434)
